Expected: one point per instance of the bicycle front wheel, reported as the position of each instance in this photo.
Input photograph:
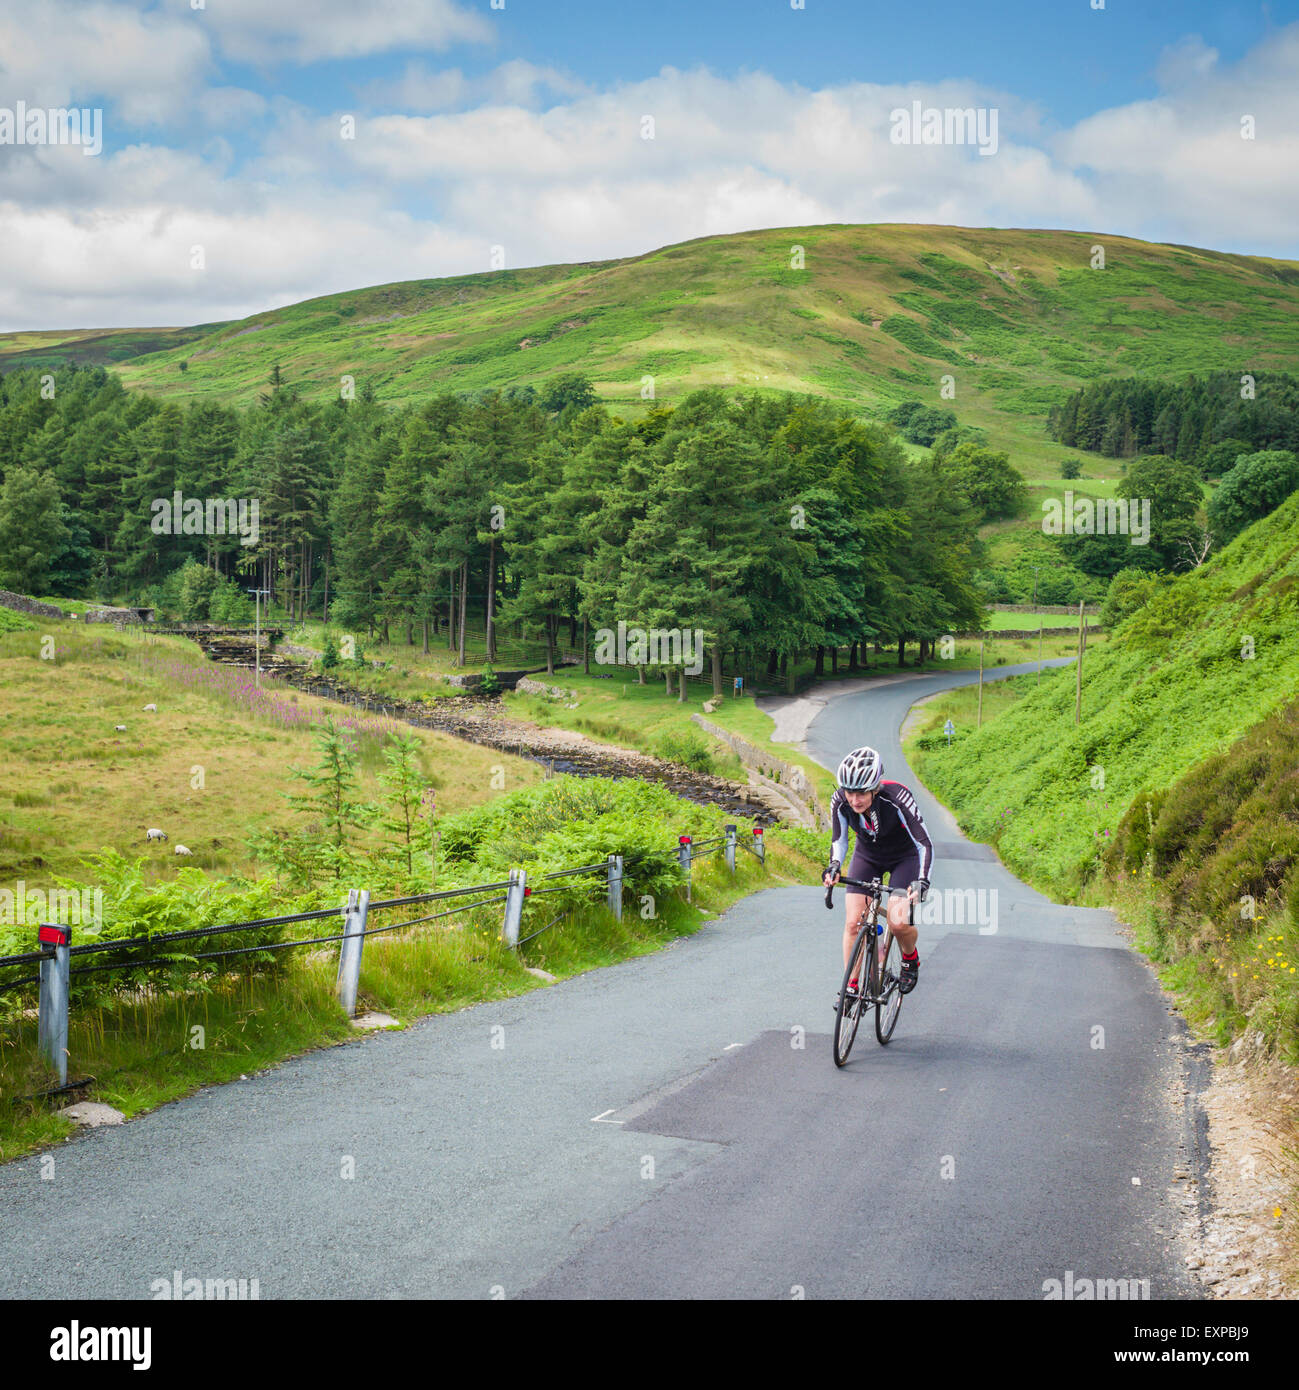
(851, 1008)
(888, 992)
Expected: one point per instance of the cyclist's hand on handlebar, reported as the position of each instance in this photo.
(830, 876)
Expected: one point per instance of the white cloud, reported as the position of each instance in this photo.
(562, 174)
(1178, 161)
(306, 31)
(516, 83)
(65, 52)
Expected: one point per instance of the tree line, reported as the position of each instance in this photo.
(1207, 421)
(777, 526)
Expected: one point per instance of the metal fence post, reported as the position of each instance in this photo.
(759, 847)
(52, 1025)
(615, 885)
(683, 858)
(730, 848)
(514, 896)
(349, 951)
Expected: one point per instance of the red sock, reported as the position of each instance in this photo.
(915, 955)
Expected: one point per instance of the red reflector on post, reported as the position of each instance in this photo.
(48, 935)
(683, 839)
(527, 892)
(757, 830)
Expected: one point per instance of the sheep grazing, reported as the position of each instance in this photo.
(180, 849)
(153, 834)
(119, 728)
(151, 709)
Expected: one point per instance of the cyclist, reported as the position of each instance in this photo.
(892, 839)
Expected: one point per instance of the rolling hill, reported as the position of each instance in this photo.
(877, 314)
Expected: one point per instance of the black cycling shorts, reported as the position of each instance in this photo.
(902, 872)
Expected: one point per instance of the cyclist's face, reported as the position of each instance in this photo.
(860, 801)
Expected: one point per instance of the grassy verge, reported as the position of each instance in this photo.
(157, 1048)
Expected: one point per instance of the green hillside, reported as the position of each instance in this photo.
(1209, 656)
(877, 315)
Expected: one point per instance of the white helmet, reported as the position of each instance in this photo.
(861, 771)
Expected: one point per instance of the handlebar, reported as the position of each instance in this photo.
(873, 886)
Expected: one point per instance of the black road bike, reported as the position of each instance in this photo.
(876, 965)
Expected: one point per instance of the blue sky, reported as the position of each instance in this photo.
(1065, 56)
(522, 129)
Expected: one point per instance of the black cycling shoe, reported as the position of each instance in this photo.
(852, 994)
(910, 973)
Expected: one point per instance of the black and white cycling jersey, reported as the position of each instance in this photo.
(889, 832)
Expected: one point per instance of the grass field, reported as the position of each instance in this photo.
(71, 785)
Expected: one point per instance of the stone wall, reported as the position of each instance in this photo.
(118, 616)
(20, 603)
(1090, 610)
(788, 778)
(1029, 632)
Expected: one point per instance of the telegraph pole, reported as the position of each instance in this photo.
(1082, 642)
(257, 640)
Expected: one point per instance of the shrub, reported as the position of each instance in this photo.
(686, 747)
(1129, 590)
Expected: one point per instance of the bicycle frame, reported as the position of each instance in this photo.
(869, 989)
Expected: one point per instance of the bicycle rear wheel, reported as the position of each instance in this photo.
(887, 992)
(851, 1009)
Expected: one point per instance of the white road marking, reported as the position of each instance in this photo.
(600, 1120)
(728, 1046)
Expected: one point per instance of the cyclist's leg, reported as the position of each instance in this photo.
(862, 868)
(856, 905)
(901, 913)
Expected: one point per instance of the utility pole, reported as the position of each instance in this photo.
(1082, 642)
(257, 640)
(980, 725)
(1039, 625)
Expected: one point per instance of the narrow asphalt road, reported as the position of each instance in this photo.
(675, 1126)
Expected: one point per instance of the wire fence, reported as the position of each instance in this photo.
(134, 952)
(157, 952)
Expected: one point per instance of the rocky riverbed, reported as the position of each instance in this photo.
(482, 719)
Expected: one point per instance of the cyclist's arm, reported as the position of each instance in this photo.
(839, 830)
(914, 822)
